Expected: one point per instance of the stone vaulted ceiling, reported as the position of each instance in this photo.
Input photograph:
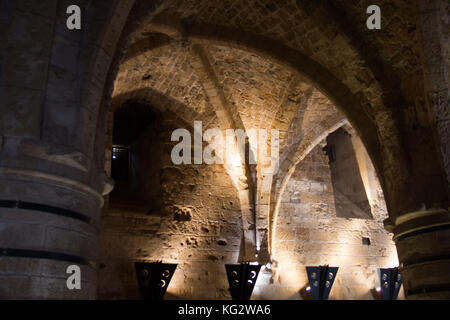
(265, 93)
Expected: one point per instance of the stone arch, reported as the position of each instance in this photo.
(386, 118)
(294, 60)
(227, 118)
(157, 100)
(182, 218)
(349, 103)
(289, 160)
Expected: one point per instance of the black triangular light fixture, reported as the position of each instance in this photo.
(390, 281)
(321, 279)
(153, 279)
(242, 279)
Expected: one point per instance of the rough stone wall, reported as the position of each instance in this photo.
(260, 93)
(168, 70)
(187, 214)
(194, 219)
(254, 84)
(309, 233)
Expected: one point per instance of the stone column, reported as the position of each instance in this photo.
(423, 245)
(49, 218)
(434, 25)
(423, 237)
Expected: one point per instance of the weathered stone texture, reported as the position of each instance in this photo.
(308, 233)
(188, 214)
(302, 67)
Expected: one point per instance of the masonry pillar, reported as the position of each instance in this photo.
(49, 218)
(423, 245)
(51, 143)
(423, 237)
